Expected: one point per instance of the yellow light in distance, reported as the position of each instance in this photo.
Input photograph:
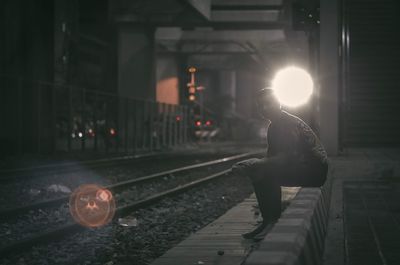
(292, 86)
(192, 97)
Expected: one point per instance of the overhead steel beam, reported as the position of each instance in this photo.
(220, 25)
(247, 16)
(248, 2)
(246, 7)
(201, 8)
(214, 53)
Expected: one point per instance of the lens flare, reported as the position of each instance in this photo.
(292, 86)
(91, 205)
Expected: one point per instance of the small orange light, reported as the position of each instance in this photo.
(178, 118)
(192, 90)
(192, 69)
(192, 97)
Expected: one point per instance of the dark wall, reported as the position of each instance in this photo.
(370, 113)
(25, 54)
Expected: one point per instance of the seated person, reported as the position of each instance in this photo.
(295, 157)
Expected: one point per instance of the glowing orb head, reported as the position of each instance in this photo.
(292, 86)
(91, 205)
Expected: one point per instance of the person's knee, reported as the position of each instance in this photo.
(319, 177)
(264, 169)
(261, 177)
(268, 168)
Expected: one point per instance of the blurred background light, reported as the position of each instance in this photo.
(292, 86)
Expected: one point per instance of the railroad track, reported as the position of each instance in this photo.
(15, 212)
(71, 228)
(15, 174)
(9, 175)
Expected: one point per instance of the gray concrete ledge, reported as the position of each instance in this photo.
(298, 236)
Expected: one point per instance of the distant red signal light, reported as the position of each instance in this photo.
(113, 131)
(178, 118)
(198, 123)
(208, 123)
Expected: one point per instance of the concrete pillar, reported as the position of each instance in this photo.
(247, 85)
(329, 76)
(227, 86)
(136, 63)
(136, 77)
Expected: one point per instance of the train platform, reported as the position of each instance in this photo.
(221, 242)
(364, 219)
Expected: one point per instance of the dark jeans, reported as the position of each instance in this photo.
(269, 174)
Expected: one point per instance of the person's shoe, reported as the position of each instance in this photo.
(256, 231)
(260, 236)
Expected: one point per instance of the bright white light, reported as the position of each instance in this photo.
(292, 86)
(80, 135)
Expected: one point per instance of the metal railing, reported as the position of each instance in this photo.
(44, 117)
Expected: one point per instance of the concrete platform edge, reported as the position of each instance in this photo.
(299, 235)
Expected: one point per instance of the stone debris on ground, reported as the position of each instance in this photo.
(128, 221)
(34, 192)
(58, 188)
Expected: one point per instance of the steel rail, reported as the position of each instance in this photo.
(15, 212)
(67, 167)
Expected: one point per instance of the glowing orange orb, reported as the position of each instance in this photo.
(91, 205)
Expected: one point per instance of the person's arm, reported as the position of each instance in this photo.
(258, 164)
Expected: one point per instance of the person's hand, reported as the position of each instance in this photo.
(242, 166)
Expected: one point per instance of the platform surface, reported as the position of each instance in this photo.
(223, 236)
(364, 221)
(371, 217)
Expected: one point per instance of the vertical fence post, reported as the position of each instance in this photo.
(169, 125)
(145, 130)
(158, 124)
(39, 117)
(106, 129)
(126, 121)
(180, 124)
(117, 137)
(142, 125)
(20, 116)
(135, 126)
(164, 124)
(53, 118)
(185, 124)
(69, 125)
(175, 124)
(151, 124)
(83, 117)
(139, 124)
(95, 127)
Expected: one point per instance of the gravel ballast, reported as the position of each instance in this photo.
(154, 230)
